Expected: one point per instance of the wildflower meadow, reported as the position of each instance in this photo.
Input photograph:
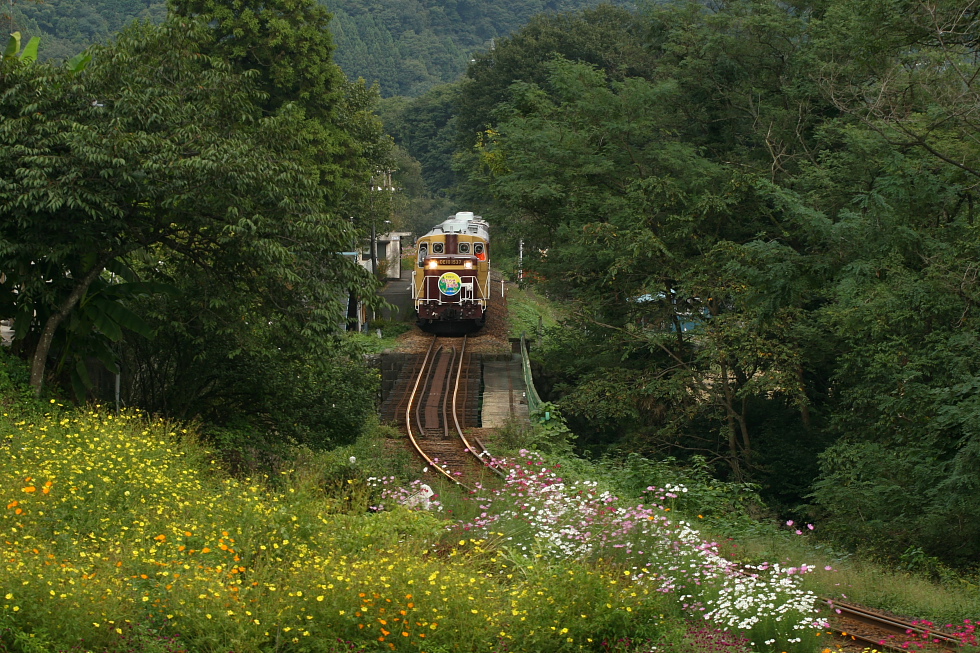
(121, 533)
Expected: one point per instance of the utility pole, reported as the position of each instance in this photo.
(520, 260)
(374, 245)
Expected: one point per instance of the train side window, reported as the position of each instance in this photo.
(464, 248)
(437, 248)
(423, 252)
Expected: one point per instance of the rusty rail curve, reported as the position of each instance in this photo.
(415, 406)
(889, 624)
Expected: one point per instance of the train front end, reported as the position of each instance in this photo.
(450, 283)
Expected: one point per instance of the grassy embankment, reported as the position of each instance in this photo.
(846, 576)
(122, 533)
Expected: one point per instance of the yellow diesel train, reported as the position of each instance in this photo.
(451, 280)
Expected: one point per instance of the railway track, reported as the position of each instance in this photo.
(865, 628)
(435, 412)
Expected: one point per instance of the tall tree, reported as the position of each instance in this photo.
(657, 247)
(157, 147)
(286, 43)
(608, 37)
(908, 71)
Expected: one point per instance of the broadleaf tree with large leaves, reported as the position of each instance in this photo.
(162, 152)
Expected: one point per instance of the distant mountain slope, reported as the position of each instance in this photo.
(408, 46)
(67, 27)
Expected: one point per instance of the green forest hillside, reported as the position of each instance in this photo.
(69, 26)
(408, 46)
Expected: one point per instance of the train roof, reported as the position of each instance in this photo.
(463, 222)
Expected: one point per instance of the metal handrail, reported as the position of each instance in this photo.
(534, 402)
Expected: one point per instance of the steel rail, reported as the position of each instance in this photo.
(445, 398)
(884, 622)
(483, 456)
(426, 363)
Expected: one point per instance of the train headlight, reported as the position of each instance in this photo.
(433, 265)
(468, 265)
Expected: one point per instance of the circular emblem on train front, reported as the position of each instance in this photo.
(450, 284)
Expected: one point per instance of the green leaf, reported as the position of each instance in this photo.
(29, 54)
(81, 371)
(126, 319)
(121, 269)
(13, 46)
(79, 62)
(104, 323)
(105, 355)
(80, 381)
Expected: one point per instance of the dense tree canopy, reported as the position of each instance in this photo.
(162, 162)
(763, 227)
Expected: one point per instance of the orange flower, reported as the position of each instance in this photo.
(161, 538)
